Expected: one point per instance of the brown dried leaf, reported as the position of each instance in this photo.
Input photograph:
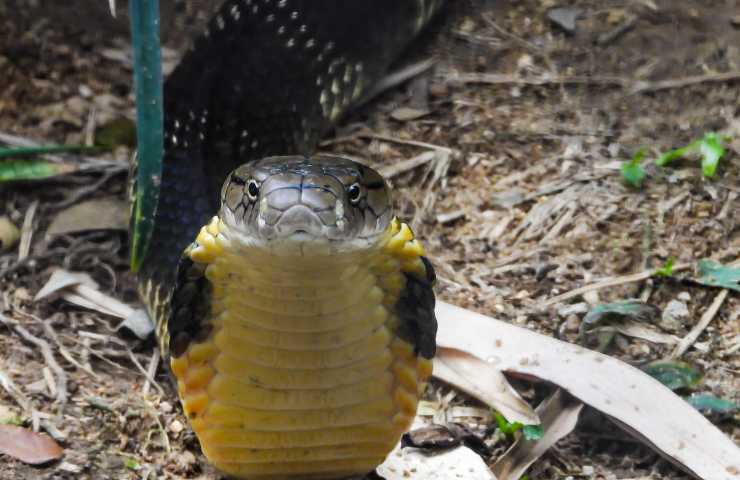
(475, 377)
(637, 401)
(27, 446)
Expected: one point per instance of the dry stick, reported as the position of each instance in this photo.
(145, 372)
(611, 282)
(51, 333)
(151, 371)
(387, 138)
(634, 86)
(48, 355)
(706, 318)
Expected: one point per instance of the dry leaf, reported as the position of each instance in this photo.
(9, 234)
(633, 398)
(99, 214)
(559, 415)
(61, 279)
(27, 446)
(81, 290)
(475, 377)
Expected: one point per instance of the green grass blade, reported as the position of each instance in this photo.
(17, 152)
(19, 170)
(149, 122)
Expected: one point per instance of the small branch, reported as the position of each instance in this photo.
(612, 282)
(633, 86)
(43, 345)
(151, 371)
(691, 337)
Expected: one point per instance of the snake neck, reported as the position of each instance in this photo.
(299, 370)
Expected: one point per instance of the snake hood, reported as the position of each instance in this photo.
(289, 203)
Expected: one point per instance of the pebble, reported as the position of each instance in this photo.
(564, 17)
(674, 315)
(176, 426)
(166, 407)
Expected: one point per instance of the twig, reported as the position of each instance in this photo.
(404, 166)
(15, 392)
(43, 345)
(24, 248)
(397, 78)
(149, 377)
(51, 333)
(81, 193)
(634, 86)
(611, 282)
(151, 371)
(503, 79)
(706, 318)
(528, 45)
(618, 31)
(388, 138)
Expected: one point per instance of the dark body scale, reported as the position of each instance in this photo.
(268, 77)
(245, 78)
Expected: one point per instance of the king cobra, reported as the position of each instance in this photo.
(295, 310)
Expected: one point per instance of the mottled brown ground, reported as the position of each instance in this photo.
(522, 200)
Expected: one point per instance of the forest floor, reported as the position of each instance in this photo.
(519, 131)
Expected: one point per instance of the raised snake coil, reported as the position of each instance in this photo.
(306, 368)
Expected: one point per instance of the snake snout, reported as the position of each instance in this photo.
(299, 220)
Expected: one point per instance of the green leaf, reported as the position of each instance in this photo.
(667, 269)
(717, 275)
(706, 402)
(131, 464)
(617, 311)
(632, 171)
(16, 152)
(506, 427)
(711, 150)
(672, 155)
(533, 432)
(31, 169)
(673, 375)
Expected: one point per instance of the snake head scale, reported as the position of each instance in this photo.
(294, 200)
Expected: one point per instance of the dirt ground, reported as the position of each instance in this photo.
(519, 130)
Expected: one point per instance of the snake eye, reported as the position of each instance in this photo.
(253, 190)
(354, 193)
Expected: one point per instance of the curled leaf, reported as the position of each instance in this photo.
(717, 275)
(708, 403)
(674, 375)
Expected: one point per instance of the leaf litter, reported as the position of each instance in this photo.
(572, 233)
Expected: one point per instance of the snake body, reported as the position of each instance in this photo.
(299, 320)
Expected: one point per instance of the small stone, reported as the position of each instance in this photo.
(176, 426)
(675, 315)
(166, 407)
(684, 296)
(735, 21)
(565, 18)
(587, 470)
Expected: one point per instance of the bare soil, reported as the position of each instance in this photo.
(520, 199)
